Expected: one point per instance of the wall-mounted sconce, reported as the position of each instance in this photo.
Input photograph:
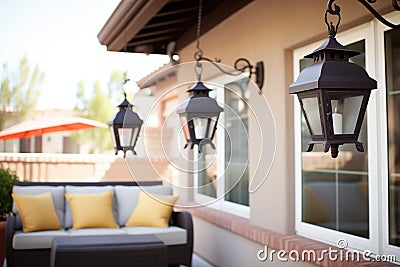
(333, 93)
(125, 127)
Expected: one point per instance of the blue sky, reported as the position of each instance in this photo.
(61, 36)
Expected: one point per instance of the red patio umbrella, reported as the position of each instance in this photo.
(47, 123)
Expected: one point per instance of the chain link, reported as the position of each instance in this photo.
(199, 53)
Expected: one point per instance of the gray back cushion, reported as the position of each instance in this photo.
(69, 189)
(127, 197)
(57, 193)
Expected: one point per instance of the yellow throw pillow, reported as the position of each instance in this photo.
(92, 210)
(152, 210)
(37, 212)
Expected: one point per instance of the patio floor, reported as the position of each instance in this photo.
(197, 261)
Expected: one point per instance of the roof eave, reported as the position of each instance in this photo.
(131, 17)
(126, 21)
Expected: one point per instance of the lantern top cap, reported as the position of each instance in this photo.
(331, 44)
(199, 87)
(125, 103)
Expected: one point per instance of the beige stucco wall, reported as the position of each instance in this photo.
(268, 31)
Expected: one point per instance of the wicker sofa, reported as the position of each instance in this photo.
(34, 249)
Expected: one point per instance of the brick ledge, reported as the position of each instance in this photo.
(243, 227)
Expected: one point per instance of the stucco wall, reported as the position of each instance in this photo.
(268, 31)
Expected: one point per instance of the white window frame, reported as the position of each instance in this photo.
(219, 202)
(387, 249)
(359, 33)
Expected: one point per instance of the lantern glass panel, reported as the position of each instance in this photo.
(200, 127)
(185, 127)
(211, 125)
(126, 136)
(204, 126)
(311, 113)
(113, 135)
(345, 111)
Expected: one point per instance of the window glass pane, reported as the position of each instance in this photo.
(392, 54)
(335, 191)
(235, 169)
(207, 172)
(236, 144)
(206, 162)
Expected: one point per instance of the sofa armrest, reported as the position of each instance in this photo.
(184, 219)
(10, 230)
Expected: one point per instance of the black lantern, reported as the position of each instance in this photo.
(199, 116)
(125, 127)
(333, 95)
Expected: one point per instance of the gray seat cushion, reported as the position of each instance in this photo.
(127, 197)
(85, 190)
(36, 240)
(96, 232)
(172, 235)
(43, 239)
(57, 193)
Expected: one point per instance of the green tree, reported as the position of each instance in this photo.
(99, 106)
(19, 92)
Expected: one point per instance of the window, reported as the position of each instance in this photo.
(356, 197)
(333, 198)
(222, 176)
(335, 191)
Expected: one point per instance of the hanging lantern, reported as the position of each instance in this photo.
(125, 127)
(333, 95)
(199, 116)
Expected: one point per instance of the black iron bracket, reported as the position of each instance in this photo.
(334, 9)
(241, 66)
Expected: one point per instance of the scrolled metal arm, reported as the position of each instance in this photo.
(253, 70)
(334, 9)
(395, 4)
